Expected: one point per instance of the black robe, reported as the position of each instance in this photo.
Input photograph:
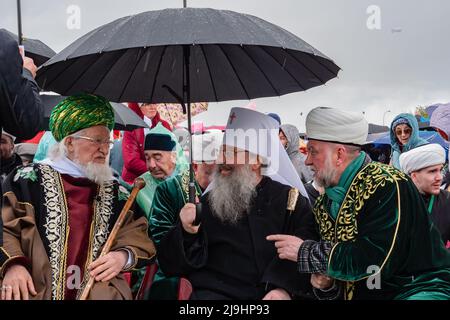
(224, 261)
(440, 214)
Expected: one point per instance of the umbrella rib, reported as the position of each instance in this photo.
(82, 74)
(259, 68)
(106, 73)
(285, 69)
(131, 74)
(234, 69)
(209, 72)
(329, 70)
(312, 72)
(157, 71)
(71, 62)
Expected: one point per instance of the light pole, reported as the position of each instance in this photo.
(384, 114)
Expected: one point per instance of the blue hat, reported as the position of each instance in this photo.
(275, 116)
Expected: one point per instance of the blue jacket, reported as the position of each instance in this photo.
(413, 142)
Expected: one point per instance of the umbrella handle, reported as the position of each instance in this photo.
(198, 214)
(191, 192)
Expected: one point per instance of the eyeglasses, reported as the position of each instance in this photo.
(405, 131)
(98, 142)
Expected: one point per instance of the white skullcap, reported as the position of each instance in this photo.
(13, 138)
(422, 157)
(334, 125)
(206, 146)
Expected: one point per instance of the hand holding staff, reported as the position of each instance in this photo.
(138, 185)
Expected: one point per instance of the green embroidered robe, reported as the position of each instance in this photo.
(383, 230)
(170, 197)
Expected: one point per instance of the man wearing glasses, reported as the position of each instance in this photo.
(58, 214)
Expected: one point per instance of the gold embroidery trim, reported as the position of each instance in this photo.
(292, 199)
(374, 168)
(99, 227)
(56, 228)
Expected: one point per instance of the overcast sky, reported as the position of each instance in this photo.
(403, 64)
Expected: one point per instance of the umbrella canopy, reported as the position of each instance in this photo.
(440, 119)
(187, 55)
(35, 49)
(173, 113)
(124, 117)
(230, 55)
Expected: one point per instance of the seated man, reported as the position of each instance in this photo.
(377, 241)
(164, 159)
(227, 256)
(172, 195)
(59, 213)
(424, 165)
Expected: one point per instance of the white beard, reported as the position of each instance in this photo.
(232, 195)
(96, 172)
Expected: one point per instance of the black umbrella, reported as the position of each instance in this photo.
(125, 118)
(35, 49)
(184, 55)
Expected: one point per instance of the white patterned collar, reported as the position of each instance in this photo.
(65, 166)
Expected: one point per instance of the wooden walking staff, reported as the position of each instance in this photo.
(139, 183)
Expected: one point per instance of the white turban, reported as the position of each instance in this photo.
(422, 157)
(334, 125)
(206, 146)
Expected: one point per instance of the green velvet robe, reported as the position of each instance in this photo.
(170, 197)
(383, 230)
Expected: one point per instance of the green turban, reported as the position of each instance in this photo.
(79, 112)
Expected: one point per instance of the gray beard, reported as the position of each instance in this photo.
(327, 176)
(231, 196)
(98, 173)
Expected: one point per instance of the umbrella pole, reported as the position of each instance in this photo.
(187, 91)
(19, 22)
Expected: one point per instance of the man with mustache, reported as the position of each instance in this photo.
(59, 213)
(170, 197)
(226, 256)
(377, 241)
(424, 165)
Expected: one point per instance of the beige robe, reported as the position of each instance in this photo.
(23, 242)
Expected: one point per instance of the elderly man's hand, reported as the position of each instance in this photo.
(287, 246)
(187, 218)
(321, 281)
(28, 64)
(277, 294)
(17, 284)
(110, 265)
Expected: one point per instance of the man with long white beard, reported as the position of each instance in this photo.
(227, 255)
(59, 213)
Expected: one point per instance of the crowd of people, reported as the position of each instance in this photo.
(275, 217)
